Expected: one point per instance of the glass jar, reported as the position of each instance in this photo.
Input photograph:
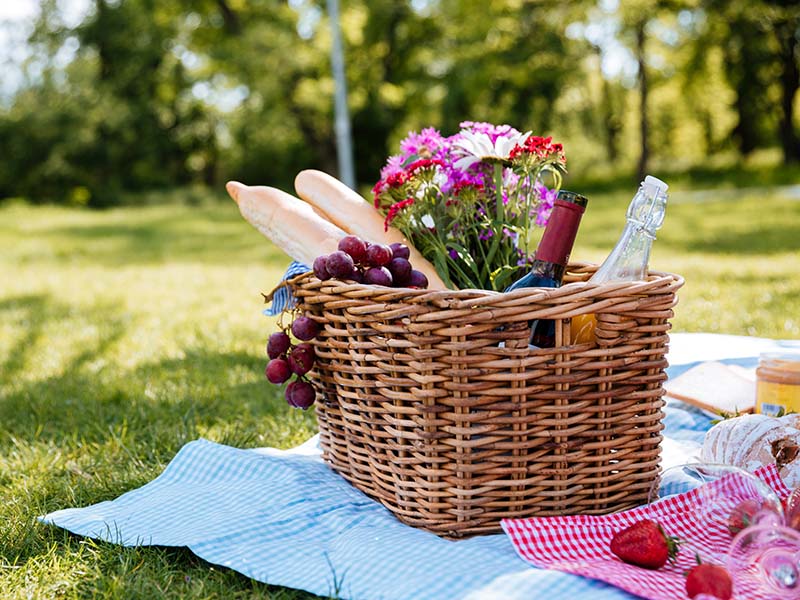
(778, 383)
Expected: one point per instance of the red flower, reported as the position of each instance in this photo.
(377, 190)
(423, 163)
(394, 209)
(538, 146)
(462, 185)
(397, 179)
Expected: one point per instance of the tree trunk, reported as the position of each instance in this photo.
(612, 124)
(790, 81)
(743, 61)
(105, 67)
(644, 156)
(229, 16)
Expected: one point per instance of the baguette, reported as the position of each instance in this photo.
(351, 212)
(290, 223)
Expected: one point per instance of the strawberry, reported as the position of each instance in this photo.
(644, 544)
(743, 515)
(713, 580)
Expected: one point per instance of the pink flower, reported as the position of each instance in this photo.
(393, 165)
(423, 144)
(547, 199)
(493, 131)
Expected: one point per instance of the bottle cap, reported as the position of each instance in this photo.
(572, 198)
(653, 185)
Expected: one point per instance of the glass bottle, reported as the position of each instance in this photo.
(629, 259)
(551, 257)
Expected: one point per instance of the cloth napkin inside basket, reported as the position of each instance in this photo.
(283, 297)
(580, 544)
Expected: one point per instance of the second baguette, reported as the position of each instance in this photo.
(290, 223)
(352, 213)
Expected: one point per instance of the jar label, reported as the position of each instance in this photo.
(774, 398)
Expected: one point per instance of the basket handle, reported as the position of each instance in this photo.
(268, 297)
(284, 283)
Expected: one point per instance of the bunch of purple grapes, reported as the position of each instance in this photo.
(287, 359)
(376, 264)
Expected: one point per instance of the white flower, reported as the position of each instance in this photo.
(478, 146)
(427, 220)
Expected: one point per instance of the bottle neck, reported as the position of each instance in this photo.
(549, 270)
(559, 235)
(629, 259)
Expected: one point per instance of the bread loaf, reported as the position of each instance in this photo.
(355, 215)
(753, 441)
(290, 223)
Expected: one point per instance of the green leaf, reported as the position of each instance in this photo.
(503, 276)
(465, 255)
(440, 263)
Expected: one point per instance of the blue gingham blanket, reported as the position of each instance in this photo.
(284, 518)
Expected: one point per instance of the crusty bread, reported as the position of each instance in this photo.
(355, 215)
(752, 441)
(290, 223)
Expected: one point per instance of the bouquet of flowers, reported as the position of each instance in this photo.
(469, 202)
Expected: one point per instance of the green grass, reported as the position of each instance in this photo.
(739, 256)
(127, 333)
(123, 335)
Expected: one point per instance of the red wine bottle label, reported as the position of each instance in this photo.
(559, 236)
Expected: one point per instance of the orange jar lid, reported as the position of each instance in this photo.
(779, 367)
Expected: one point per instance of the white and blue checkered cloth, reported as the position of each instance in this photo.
(283, 297)
(284, 518)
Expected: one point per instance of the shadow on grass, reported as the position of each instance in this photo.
(91, 407)
(165, 402)
(18, 355)
(86, 435)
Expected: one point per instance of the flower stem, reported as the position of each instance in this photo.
(498, 186)
(526, 222)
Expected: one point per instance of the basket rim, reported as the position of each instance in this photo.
(658, 282)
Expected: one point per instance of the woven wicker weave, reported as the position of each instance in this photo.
(432, 403)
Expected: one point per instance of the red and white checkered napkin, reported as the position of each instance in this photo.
(580, 544)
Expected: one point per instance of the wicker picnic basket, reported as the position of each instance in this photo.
(432, 402)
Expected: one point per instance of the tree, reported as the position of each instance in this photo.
(759, 39)
(786, 25)
(636, 16)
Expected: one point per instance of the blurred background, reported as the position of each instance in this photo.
(104, 102)
(128, 331)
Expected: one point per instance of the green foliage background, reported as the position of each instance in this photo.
(146, 94)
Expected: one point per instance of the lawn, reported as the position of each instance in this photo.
(127, 333)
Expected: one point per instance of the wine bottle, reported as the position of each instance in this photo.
(550, 259)
(629, 259)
